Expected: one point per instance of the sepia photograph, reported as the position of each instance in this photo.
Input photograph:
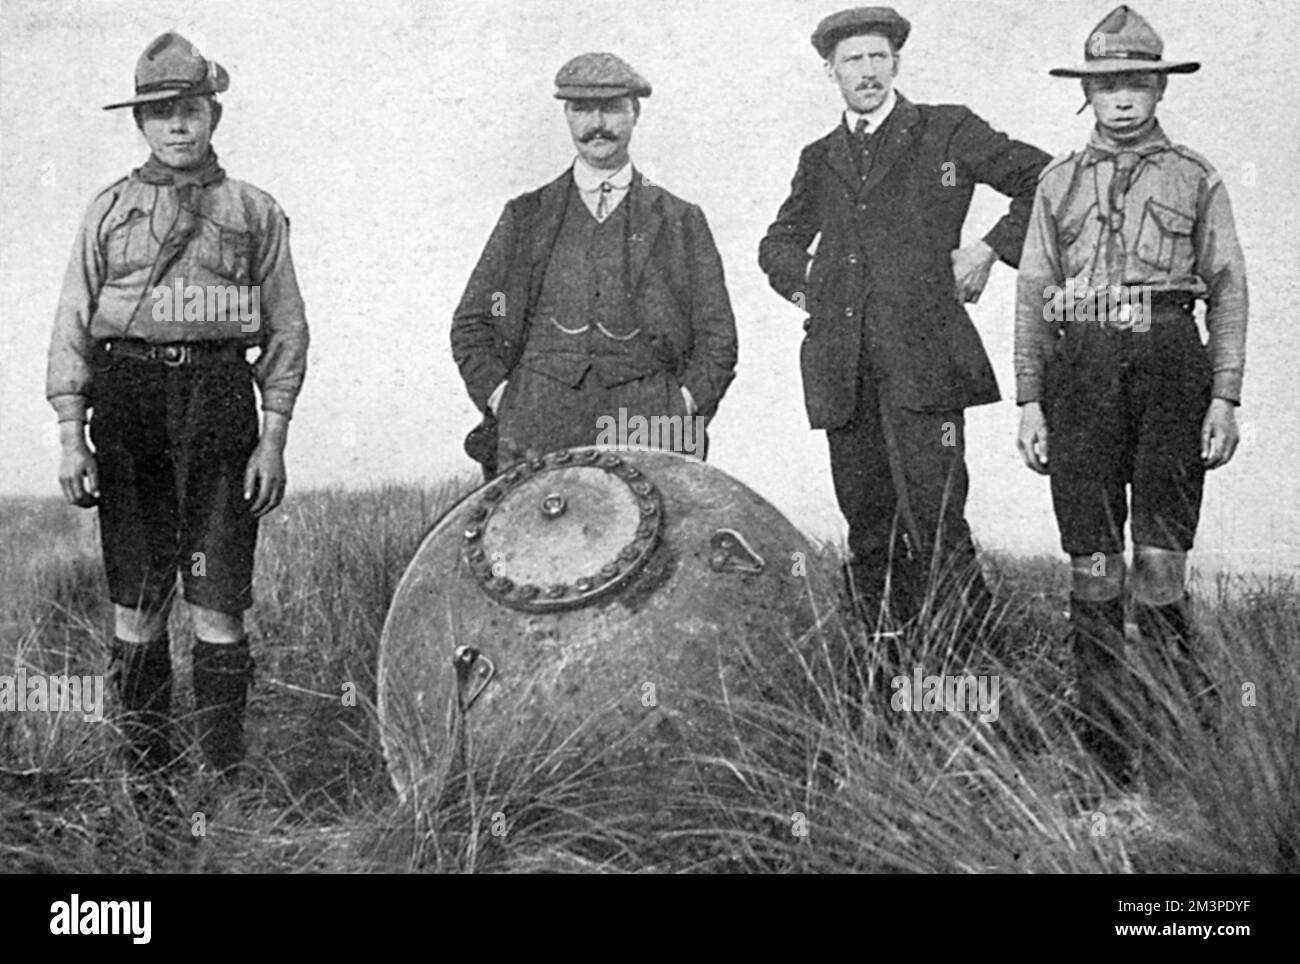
(576, 436)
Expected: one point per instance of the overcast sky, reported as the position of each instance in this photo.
(393, 132)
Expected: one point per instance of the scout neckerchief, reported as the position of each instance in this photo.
(1116, 196)
(189, 184)
(1127, 161)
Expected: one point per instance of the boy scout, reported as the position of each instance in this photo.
(177, 270)
(600, 296)
(1125, 235)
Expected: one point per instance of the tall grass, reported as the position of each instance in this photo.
(819, 774)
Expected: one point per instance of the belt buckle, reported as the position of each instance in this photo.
(1119, 315)
(174, 356)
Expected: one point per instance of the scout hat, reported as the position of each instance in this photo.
(599, 77)
(1124, 43)
(172, 67)
(849, 23)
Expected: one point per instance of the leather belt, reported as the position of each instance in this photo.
(175, 354)
(1181, 301)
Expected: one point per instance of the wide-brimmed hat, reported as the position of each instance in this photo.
(599, 76)
(170, 68)
(1124, 43)
(858, 20)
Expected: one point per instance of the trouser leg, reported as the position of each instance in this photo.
(931, 449)
(880, 571)
(138, 508)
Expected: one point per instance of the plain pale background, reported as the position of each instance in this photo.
(394, 132)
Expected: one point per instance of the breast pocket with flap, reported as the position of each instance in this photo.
(129, 245)
(227, 252)
(1165, 237)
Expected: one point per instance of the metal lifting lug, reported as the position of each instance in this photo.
(731, 553)
(473, 673)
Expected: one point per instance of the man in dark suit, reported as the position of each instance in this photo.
(599, 301)
(891, 359)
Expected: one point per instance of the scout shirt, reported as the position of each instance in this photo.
(1178, 235)
(234, 281)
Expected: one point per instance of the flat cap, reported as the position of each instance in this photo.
(1122, 43)
(599, 76)
(858, 20)
(171, 67)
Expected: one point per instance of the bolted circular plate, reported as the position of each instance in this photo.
(467, 684)
(562, 531)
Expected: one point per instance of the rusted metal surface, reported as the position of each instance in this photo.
(612, 601)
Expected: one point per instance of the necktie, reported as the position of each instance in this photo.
(602, 206)
(1116, 250)
(860, 137)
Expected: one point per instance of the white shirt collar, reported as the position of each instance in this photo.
(589, 178)
(874, 117)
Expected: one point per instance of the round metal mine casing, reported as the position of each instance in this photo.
(611, 600)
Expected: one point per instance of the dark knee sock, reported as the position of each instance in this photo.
(142, 675)
(222, 673)
(1097, 640)
(1171, 628)
(1170, 624)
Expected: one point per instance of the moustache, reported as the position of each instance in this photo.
(870, 87)
(598, 134)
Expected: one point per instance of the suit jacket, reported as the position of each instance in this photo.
(675, 274)
(881, 283)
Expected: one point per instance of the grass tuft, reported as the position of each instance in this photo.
(822, 774)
